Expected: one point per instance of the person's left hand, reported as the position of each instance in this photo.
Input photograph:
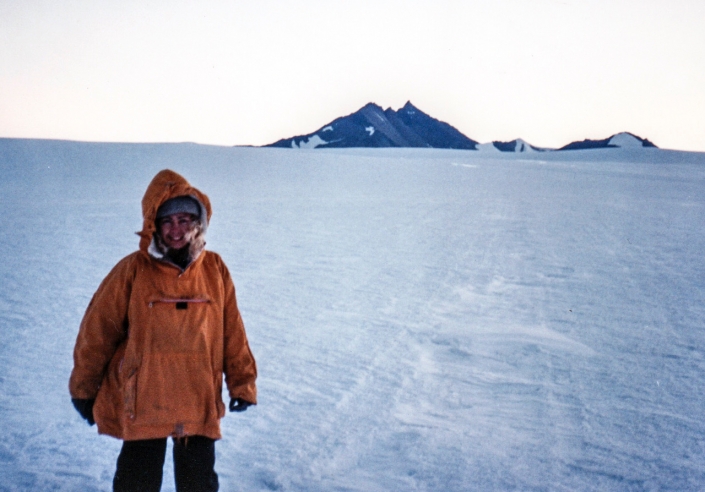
(238, 405)
(85, 408)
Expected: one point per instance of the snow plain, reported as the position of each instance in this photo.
(423, 320)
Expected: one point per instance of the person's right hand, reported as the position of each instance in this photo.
(85, 408)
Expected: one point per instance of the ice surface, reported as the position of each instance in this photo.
(423, 320)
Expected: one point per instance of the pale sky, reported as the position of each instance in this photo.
(252, 72)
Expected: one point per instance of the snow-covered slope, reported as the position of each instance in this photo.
(423, 319)
(627, 140)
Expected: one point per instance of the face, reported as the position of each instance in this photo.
(174, 228)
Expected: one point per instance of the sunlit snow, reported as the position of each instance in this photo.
(423, 320)
(625, 140)
(522, 146)
(487, 147)
(313, 142)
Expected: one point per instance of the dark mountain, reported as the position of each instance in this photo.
(371, 126)
(624, 139)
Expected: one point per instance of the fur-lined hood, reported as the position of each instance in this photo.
(165, 185)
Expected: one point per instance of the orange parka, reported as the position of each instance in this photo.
(156, 340)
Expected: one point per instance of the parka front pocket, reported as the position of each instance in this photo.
(129, 393)
(178, 325)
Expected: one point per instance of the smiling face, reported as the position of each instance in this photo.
(174, 229)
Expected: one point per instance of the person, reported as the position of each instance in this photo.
(158, 336)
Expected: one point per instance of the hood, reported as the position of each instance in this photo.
(165, 185)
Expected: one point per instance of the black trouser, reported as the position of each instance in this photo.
(140, 465)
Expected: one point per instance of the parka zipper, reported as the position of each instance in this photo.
(179, 301)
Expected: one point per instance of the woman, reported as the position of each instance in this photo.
(157, 337)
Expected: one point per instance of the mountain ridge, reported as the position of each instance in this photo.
(373, 126)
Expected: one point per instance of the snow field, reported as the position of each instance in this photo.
(422, 320)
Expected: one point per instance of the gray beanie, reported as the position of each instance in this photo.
(179, 204)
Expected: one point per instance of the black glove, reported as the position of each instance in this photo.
(239, 405)
(85, 408)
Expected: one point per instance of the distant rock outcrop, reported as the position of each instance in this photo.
(620, 140)
(517, 145)
(371, 126)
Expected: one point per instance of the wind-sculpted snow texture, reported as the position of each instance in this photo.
(423, 319)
